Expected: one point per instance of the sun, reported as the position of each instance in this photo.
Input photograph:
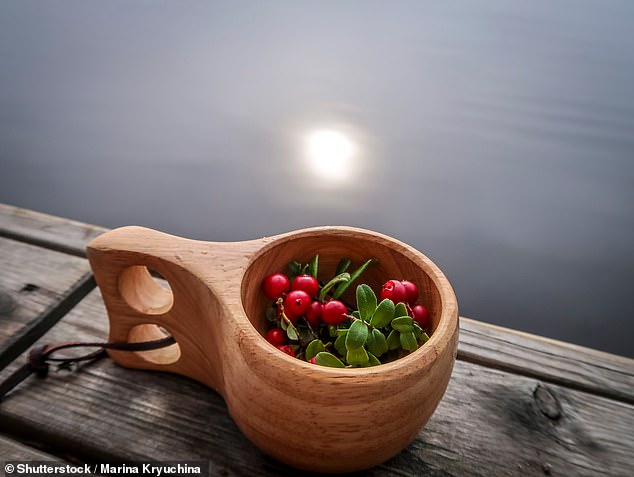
(330, 154)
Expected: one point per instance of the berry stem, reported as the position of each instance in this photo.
(310, 328)
(289, 323)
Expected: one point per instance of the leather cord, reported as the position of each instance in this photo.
(41, 356)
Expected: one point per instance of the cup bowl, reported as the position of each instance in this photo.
(339, 420)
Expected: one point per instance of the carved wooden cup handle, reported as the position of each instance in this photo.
(185, 305)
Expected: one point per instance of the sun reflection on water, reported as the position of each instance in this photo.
(330, 154)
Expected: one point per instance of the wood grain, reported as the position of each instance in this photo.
(490, 422)
(215, 311)
(34, 284)
(14, 450)
(47, 231)
(549, 360)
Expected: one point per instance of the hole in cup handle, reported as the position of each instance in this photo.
(130, 264)
(177, 300)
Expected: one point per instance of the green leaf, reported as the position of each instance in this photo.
(343, 265)
(383, 314)
(401, 309)
(283, 324)
(332, 331)
(295, 268)
(358, 356)
(377, 344)
(340, 344)
(342, 331)
(271, 313)
(326, 359)
(374, 361)
(408, 341)
(344, 286)
(418, 331)
(425, 337)
(305, 336)
(341, 278)
(357, 335)
(393, 340)
(403, 324)
(314, 266)
(366, 302)
(314, 347)
(356, 314)
(291, 332)
(305, 269)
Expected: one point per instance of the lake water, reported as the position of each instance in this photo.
(497, 137)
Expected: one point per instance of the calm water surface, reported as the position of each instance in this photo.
(497, 137)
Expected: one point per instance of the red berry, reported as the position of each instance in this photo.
(287, 349)
(313, 360)
(411, 291)
(276, 336)
(421, 316)
(313, 315)
(291, 317)
(394, 290)
(307, 283)
(275, 285)
(296, 303)
(333, 312)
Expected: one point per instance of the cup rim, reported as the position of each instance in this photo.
(422, 357)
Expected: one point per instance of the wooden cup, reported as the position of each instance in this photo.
(308, 416)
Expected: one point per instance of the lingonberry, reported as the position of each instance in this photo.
(313, 314)
(394, 290)
(313, 360)
(287, 349)
(421, 315)
(307, 283)
(411, 291)
(296, 303)
(333, 312)
(275, 285)
(291, 316)
(276, 337)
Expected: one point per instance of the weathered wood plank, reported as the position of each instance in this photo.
(46, 231)
(549, 360)
(37, 286)
(14, 450)
(490, 422)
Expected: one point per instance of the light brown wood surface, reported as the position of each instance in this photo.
(215, 311)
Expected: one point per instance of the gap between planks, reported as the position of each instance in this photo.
(45, 320)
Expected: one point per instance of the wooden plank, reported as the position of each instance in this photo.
(37, 286)
(490, 422)
(46, 231)
(549, 360)
(14, 450)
